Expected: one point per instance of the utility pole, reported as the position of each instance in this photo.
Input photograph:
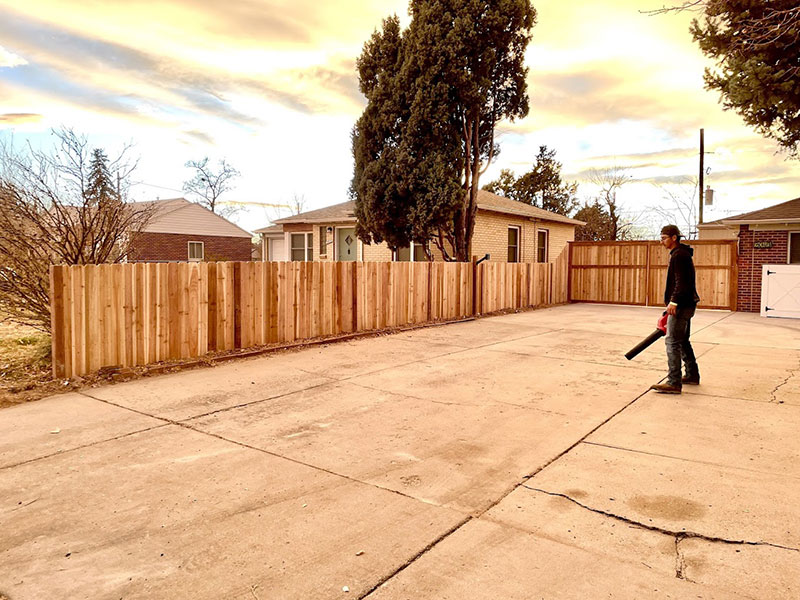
(702, 170)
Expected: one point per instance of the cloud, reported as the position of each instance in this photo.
(114, 77)
(8, 59)
(19, 118)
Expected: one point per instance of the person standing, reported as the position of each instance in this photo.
(680, 296)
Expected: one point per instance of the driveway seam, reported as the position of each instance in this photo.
(689, 460)
(66, 450)
(502, 497)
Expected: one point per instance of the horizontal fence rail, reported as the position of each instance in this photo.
(635, 272)
(137, 314)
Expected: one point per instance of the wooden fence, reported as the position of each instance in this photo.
(635, 272)
(137, 314)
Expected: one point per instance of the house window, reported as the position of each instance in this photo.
(513, 244)
(196, 251)
(323, 240)
(541, 245)
(302, 248)
(405, 254)
(794, 248)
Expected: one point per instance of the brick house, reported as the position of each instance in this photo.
(507, 230)
(770, 236)
(180, 230)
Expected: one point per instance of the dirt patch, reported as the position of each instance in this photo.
(671, 508)
(24, 364)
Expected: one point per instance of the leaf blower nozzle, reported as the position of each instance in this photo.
(661, 331)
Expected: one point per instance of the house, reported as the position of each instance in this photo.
(767, 236)
(507, 230)
(180, 230)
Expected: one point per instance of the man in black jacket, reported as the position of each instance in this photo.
(681, 299)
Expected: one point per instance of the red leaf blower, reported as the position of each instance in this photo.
(660, 332)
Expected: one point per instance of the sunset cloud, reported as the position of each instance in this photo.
(271, 85)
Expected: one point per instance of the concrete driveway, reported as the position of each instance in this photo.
(510, 457)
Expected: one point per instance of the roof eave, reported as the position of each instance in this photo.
(791, 221)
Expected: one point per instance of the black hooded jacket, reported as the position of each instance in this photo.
(680, 278)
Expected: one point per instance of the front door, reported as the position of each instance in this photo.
(346, 245)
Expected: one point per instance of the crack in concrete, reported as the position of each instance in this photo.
(680, 560)
(773, 393)
(683, 534)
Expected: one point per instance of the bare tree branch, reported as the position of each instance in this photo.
(50, 214)
(209, 183)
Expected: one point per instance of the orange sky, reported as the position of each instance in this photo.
(271, 86)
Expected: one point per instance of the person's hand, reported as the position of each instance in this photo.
(672, 309)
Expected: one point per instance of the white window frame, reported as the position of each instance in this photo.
(546, 245)
(519, 242)
(796, 235)
(290, 248)
(189, 251)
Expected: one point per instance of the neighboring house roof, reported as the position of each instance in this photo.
(495, 203)
(786, 212)
(344, 212)
(178, 215)
(341, 212)
(270, 229)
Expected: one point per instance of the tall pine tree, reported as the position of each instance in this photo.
(435, 93)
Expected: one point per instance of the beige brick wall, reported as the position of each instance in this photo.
(491, 235)
(376, 252)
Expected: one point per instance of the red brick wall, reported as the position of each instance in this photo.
(161, 247)
(751, 259)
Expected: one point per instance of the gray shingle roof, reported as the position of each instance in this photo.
(344, 211)
(786, 211)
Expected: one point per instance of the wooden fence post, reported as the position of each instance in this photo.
(237, 305)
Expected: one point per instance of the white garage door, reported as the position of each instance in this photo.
(277, 250)
(780, 291)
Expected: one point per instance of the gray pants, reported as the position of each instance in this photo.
(678, 346)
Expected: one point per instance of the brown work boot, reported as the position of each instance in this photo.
(666, 388)
(691, 380)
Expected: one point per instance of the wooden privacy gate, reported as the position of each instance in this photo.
(636, 272)
(137, 314)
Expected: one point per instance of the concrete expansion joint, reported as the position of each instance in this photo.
(416, 557)
(683, 534)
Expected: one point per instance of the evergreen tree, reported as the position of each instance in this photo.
(100, 187)
(599, 225)
(756, 47)
(435, 93)
(542, 186)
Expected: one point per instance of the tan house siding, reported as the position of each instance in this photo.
(491, 235)
(560, 235)
(717, 233)
(376, 252)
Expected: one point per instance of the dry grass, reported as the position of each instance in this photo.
(24, 364)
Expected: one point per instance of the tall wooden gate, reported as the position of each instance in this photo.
(635, 272)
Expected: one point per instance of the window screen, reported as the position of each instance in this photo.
(196, 251)
(541, 245)
(298, 246)
(513, 244)
(794, 248)
(403, 254)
